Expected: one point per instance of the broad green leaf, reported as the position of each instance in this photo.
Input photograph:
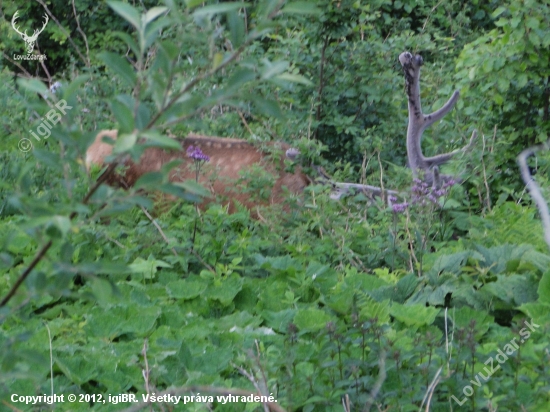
(33, 85)
(371, 309)
(414, 315)
(127, 12)
(156, 139)
(120, 66)
(294, 78)
(58, 226)
(226, 290)
(113, 322)
(218, 8)
(544, 289)
(537, 312)
(311, 319)
(186, 289)
(279, 320)
(124, 117)
(272, 69)
(466, 317)
(129, 40)
(153, 13)
(236, 28)
(498, 12)
(268, 107)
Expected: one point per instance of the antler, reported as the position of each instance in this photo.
(418, 121)
(36, 32)
(14, 27)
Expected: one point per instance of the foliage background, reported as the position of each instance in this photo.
(336, 300)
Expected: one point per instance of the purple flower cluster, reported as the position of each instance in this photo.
(423, 194)
(196, 154)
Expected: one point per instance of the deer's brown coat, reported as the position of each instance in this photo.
(228, 157)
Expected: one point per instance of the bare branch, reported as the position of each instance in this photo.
(341, 189)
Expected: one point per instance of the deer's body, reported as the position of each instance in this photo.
(228, 157)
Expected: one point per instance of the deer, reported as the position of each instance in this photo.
(231, 156)
(224, 161)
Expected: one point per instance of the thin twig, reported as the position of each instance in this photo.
(79, 29)
(145, 372)
(51, 357)
(206, 265)
(154, 222)
(430, 390)
(42, 252)
(26, 273)
(245, 123)
(67, 34)
(14, 62)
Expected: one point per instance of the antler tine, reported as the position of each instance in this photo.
(445, 157)
(46, 22)
(13, 19)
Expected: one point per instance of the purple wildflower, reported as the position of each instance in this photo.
(196, 154)
(399, 207)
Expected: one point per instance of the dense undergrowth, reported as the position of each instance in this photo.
(442, 304)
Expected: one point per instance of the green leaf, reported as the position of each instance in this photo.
(120, 66)
(193, 187)
(115, 321)
(413, 315)
(129, 40)
(236, 28)
(226, 290)
(58, 226)
(156, 139)
(311, 319)
(498, 12)
(294, 78)
(153, 13)
(544, 289)
(127, 12)
(272, 69)
(33, 85)
(370, 309)
(269, 108)
(466, 316)
(124, 117)
(218, 8)
(186, 289)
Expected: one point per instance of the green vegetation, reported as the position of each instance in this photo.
(344, 305)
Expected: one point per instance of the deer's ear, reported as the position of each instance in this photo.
(99, 150)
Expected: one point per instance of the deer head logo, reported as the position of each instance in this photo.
(30, 40)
